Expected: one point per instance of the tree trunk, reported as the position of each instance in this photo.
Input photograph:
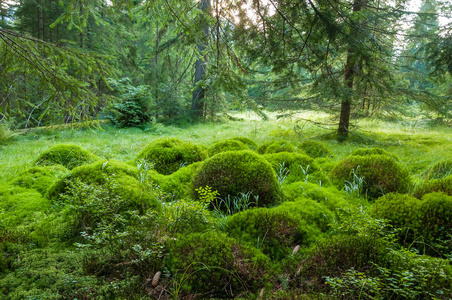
(82, 34)
(198, 103)
(349, 76)
(40, 20)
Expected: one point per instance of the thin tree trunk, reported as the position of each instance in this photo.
(198, 103)
(40, 20)
(82, 34)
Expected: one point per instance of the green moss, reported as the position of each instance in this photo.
(274, 231)
(68, 155)
(179, 183)
(435, 218)
(40, 178)
(275, 147)
(333, 199)
(381, 173)
(435, 185)
(170, 154)
(247, 141)
(232, 173)
(126, 183)
(227, 145)
(297, 167)
(439, 170)
(315, 149)
(400, 209)
(20, 206)
(373, 151)
(215, 265)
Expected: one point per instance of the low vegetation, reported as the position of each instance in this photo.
(190, 213)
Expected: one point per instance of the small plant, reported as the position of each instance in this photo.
(232, 205)
(354, 187)
(281, 173)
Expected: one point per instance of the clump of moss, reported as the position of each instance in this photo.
(435, 185)
(292, 167)
(435, 218)
(276, 232)
(439, 170)
(68, 155)
(227, 145)
(381, 174)
(232, 173)
(276, 147)
(247, 141)
(215, 265)
(125, 177)
(373, 151)
(170, 154)
(400, 209)
(315, 149)
(178, 184)
(40, 178)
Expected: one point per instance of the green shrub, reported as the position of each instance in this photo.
(40, 178)
(435, 217)
(373, 151)
(214, 265)
(123, 178)
(68, 155)
(315, 149)
(435, 185)
(274, 231)
(170, 154)
(247, 141)
(439, 170)
(227, 145)
(292, 167)
(232, 173)
(275, 147)
(400, 210)
(381, 174)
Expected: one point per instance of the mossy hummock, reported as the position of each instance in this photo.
(227, 145)
(276, 147)
(315, 149)
(235, 172)
(68, 155)
(170, 154)
(40, 178)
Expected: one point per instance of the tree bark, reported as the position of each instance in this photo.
(40, 20)
(349, 76)
(198, 103)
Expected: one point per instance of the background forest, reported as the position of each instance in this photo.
(264, 149)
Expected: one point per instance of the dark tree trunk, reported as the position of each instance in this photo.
(349, 76)
(198, 103)
(40, 13)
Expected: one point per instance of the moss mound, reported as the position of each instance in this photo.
(232, 173)
(400, 209)
(292, 167)
(170, 154)
(40, 178)
(227, 145)
(215, 265)
(381, 174)
(68, 155)
(435, 185)
(315, 149)
(275, 147)
(435, 218)
(247, 141)
(373, 151)
(274, 231)
(124, 177)
(439, 170)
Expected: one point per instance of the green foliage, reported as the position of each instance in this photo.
(296, 167)
(400, 210)
(215, 265)
(439, 170)
(381, 174)
(435, 185)
(333, 199)
(40, 178)
(5, 133)
(227, 145)
(276, 147)
(133, 107)
(170, 154)
(68, 155)
(315, 149)
(124, 185)
(232, 173)
(177, 184)
(373, 151)
(435, 217)
(274, 231)
(247, 141)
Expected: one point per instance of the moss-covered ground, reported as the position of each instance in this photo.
(114, 227)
